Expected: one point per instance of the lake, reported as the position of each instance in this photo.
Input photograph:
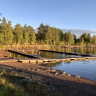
(91, 51)
(85, 69)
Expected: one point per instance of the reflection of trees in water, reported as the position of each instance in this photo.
(16, 55)
(67, 62)
(49, 54)
(69, 50)
(87, 51)
(83, 50)
(33, 52)
(51, 64)
(55, 63)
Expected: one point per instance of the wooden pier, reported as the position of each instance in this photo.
(24, 54)
(39, 60)
(66, 53)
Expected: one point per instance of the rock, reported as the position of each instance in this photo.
(56, 73)
(68, 74)
(33, 69)
(53, 70)
(38, 69)
(49, 70)
(77, 76)
(64, 73)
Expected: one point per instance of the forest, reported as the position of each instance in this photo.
(45, 35)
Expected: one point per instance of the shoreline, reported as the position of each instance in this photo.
(65, 82)
(43, 46)
(61, 81)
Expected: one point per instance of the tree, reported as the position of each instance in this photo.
(48, 35)
(70, 38)
(4, 29)
(26, 31)
(61, 35)
(52, 35)
(93, 41)
(9, 37)
(55, 36)
(74, 38)
(82, 41)
(18, 34)
(32, 36)
(86, 37)
(1, 35)
(41, 33)
(66, 37)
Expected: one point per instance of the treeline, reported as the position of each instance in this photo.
(45, 35)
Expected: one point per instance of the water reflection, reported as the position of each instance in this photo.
(84, 50)
(89, 51)
(16, 55)
(32, 52)
(86, 68)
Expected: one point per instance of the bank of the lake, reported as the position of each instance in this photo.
(65, 83)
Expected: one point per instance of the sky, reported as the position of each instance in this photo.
(63, 14)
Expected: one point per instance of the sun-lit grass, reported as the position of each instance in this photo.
(12, 84)
(8, 89)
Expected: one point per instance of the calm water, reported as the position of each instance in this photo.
(91, 51)
(85, 69)
(16, 55)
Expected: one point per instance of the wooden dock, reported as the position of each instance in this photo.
(41, 61)
(37, 60)
(24, 54)
(66, 53)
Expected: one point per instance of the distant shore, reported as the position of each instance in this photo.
(44, 46)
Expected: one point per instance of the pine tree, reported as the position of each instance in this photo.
(9, 36)
(1, 35)
(32, 36)
(94, 40)
(41, 33)
(82, 41)
(4, 27)
(61, 35)
(48, 35)
(66, 37)
(26, 31)
(55, 36)
(18, 34)
(70, 38)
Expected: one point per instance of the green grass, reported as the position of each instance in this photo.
(8, 89)
(12, 84)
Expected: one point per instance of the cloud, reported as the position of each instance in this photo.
(79, 32)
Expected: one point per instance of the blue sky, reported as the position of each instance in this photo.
(64, 14)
